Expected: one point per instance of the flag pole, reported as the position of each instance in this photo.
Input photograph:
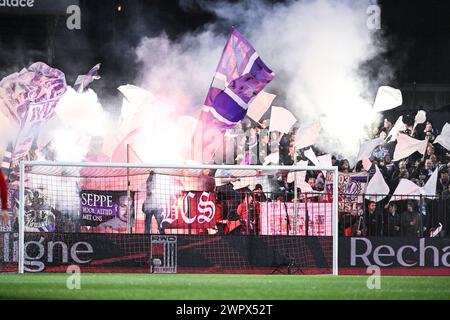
(130, 229)
(295, 193)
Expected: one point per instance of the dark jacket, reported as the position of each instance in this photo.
(411, 224)
(391, 224)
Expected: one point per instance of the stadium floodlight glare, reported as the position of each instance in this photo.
(83, 170)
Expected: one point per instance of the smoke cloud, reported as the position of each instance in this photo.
(316, 49)
(79, 116)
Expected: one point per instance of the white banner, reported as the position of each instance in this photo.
(277, 218)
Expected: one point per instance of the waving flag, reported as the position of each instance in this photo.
(325, 160)
(407, 146)
(84, 81)
(436, 231)
(260, 105)
(273, 158)
(312, 156)
(420, 118)
(398, 126)
(377, 189)
(239, 77)
(366, 148)
(429, 189)
(444, 138)
(29, 98)
(307, 135)
(281, 120)
(387, 98)
(299, 178)
(407, 189)
(135, 100)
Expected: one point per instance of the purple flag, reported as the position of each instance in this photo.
(29, 98)
(84, 81)
(240, 76)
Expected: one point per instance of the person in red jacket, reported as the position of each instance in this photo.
(4, 198)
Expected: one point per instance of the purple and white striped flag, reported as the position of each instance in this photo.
(239, 77)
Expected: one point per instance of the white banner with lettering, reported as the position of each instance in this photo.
(277, 218)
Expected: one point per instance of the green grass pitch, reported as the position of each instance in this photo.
(228, 287)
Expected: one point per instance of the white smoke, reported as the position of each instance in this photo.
(79, 116)
(82, 112)
(179, 73)
(315, 48)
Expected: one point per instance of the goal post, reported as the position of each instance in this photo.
(109, 173)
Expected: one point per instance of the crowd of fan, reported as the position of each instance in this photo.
(413, 217)
(254, 147)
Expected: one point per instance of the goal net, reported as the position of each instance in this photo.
(168, 218)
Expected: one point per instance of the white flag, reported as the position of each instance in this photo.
(299, 178)
(429, 189)
(407, 146)
(307, 135)
(273, 158)
(312, 156)
(420, 118)
(387, 98)
(260, 105)
(243, 182)
(398, 126)
(281, 120)
(436, 231)
(376, 187)
(136, 95)
(325, 160)
(444, 138)
(320, 161)
(365, 150)
(305, 187)
(406, 190)
(134, 100)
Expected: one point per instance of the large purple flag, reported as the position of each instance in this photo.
(239, 77)
(28, 98)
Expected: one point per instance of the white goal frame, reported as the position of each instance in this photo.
(23, 164)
